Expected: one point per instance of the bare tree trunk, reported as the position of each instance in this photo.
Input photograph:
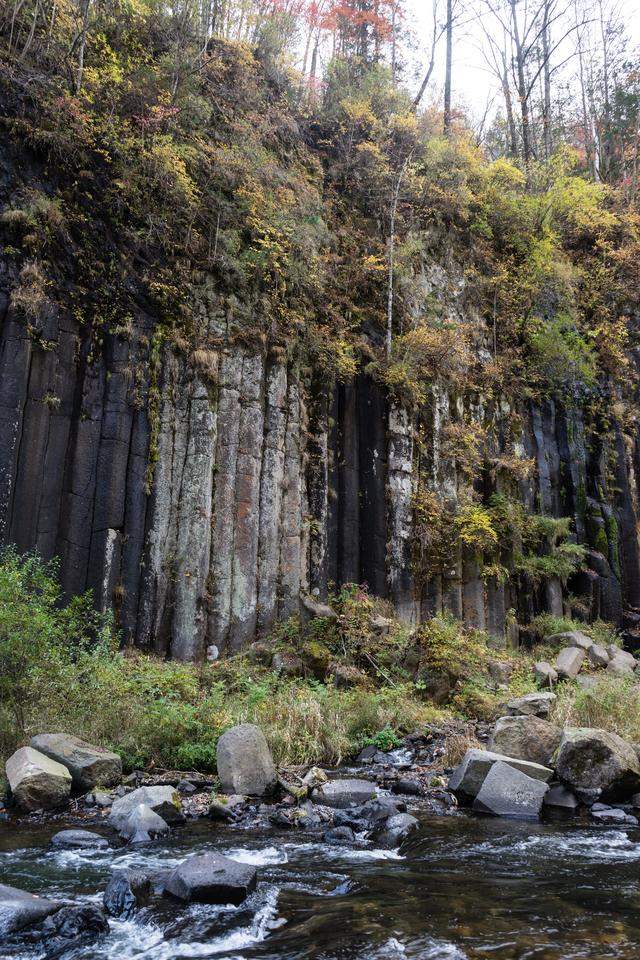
(508, 106)
(447, 75)
(435, 36)
(546, 110)
(522, 87)
(82, 45)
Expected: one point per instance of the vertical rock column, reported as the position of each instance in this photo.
(291, 506)
(399, 506)
(244, 587)
(272, 491)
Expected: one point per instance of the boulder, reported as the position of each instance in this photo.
(311, 609)
(507, 792)
(126, 891)
(287, 664)
(19, 909)
(500, 671)
(527, 738)
(211, 878)
(342, 834)
(605, 814)
(622, 665)
(245, 764)
(468, 777)
(344, 793)
(381, 625)
(598, 655)
(374, 812)
(73, 926)
(545, 674)
(569, 661)
(599, 762)
(571, 638)
(226, 808)
(560, 800)
(88, 765)
(532, 705)
(142, 825)
(36, 781)
(79, 840)
(163, 800)
(624, 655)
(395, 830)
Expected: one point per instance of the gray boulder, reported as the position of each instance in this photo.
(532, 705)
(545, 674)
(19, 909)
(163, 800)
(396, 830)
(623, 655)
(605, 814)
(599, 762)
(559, 799)
(75, 925)
(598, 655)
(569, 661)
(622, 664)
(36, 781)
(527, 738)
(127, 891)
(142, 825)
(88, 765)
(468, 777)
(245, 764)
(507, 792)
(211, 878)
(79, 840)
(311, 609)
(572, 638)
(339, 835)
(344, 792)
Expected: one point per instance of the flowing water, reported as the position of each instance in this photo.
(460, 888)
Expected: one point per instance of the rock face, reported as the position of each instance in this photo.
(598, 762)
(163, 801)
(344, 792)
(532, 704)
(211, 878)
(507, 792)
(89, 766)
(245, 764)
(36, 781)
(19, 909)
(527, 738)
(468, 777)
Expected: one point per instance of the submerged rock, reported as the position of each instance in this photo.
(162, 800)
(245, 764)
(342, 834)
(599, 762)
(127, 891)
(19, 909)
(344, 792)
(79, 840)
(468, 777)
(527, 738)
(532, 704)
(89, 766)
(36, 781)
(605, 814)
(73, 926)
(395, 830)
(507, 792)
(211, 878)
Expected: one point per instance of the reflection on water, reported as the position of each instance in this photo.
(461, 889)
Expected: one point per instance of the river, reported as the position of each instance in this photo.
(461, 887)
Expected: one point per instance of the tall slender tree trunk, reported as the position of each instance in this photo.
(522, 87)
(447, 75)
(82, 45)
(546, 72)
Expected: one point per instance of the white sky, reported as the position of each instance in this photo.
(471, 84)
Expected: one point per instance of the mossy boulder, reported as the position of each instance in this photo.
(597, 763)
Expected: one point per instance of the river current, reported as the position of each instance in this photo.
(462, 888)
